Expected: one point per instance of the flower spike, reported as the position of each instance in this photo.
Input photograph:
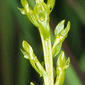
(39, 16)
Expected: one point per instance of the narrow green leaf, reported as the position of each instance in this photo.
(50, 4)
(60, 35)
(59, 27)
(25, 3)
(56, 50)
(22, 11)
(27, 48)
(28, 54)
(66, 30)
(62, 65)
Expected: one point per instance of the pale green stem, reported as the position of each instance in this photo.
(46, 81)
(46, 42)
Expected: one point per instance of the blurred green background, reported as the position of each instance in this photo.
(15, 27)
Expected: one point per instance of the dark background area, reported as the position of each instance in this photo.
(15, 27)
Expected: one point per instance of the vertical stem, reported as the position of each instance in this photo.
(46, 81)
(46, 42)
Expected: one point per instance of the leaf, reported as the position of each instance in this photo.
(59, 27)
(60, 35)
(62, 65)
(50, 4)
(22, 10)
(29, 54)
(56, 50)
(28, 49)
(66, 30)
(24, 3)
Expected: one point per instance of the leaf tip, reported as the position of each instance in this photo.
(21, 10)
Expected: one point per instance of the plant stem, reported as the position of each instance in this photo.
(46, 42)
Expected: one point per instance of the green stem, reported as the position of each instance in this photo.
(46, 81)
(46, 42)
